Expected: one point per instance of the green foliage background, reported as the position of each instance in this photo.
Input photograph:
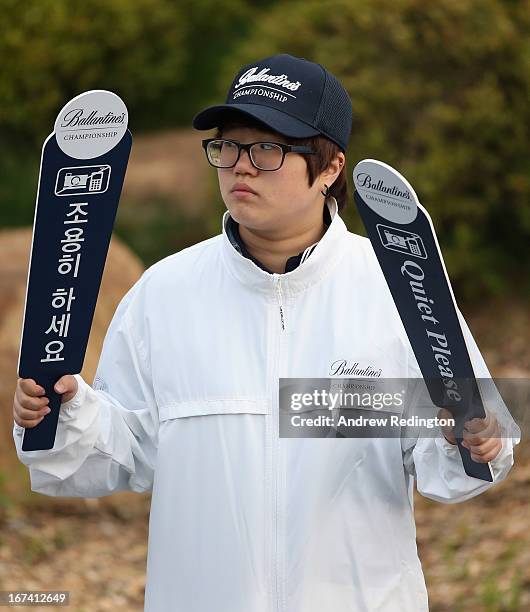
(440, 91)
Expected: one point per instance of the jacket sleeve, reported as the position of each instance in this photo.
(107, 436)
(434, 462)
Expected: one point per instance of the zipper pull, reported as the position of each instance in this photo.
(280, 301)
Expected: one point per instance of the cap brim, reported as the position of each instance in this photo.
(277, 120)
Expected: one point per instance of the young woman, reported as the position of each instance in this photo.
(186, 397)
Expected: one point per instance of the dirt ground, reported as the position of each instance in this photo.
(475, 555)
(170, 165)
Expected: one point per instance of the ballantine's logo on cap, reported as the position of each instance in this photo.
(250, 76)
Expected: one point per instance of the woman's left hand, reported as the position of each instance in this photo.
(481, 436)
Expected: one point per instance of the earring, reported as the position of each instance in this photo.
(326, 193)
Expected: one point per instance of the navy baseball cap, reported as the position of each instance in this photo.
(291, 95)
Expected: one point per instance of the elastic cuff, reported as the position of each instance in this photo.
(500, 459)
(69, 408)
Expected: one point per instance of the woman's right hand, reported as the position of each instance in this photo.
(30, 405)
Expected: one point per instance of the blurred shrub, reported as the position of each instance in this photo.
(18, 188)
(440, 91)
(162, 57)
(158, 55)
(58, 49)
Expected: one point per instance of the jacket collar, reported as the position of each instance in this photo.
(232, 231)
(325, 255)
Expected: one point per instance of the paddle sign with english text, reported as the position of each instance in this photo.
(404, 241)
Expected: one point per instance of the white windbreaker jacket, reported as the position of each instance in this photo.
(185, 403)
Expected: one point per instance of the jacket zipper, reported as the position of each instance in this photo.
(278, 469)
(279, 294)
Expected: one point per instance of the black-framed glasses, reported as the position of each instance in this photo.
(268, 156)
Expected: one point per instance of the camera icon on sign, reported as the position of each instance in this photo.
(83, 180)
(396, 239)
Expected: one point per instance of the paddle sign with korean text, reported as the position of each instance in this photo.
(405, 243)
(82, 169)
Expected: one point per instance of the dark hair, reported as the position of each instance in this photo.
(326, 151)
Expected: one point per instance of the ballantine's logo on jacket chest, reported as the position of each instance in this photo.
(341, 366)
